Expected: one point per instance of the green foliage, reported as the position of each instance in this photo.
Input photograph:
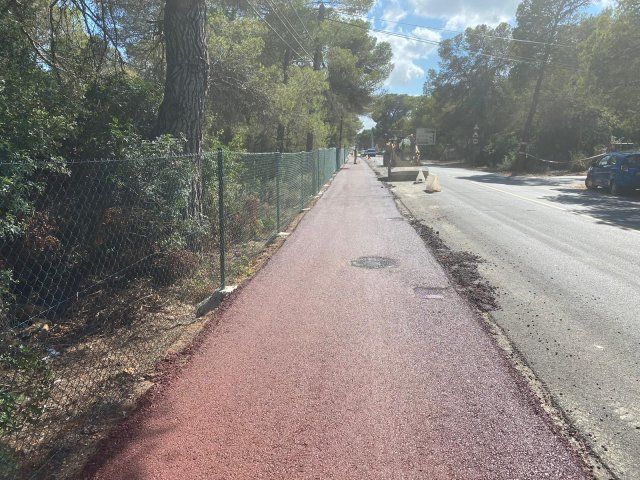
(33, 125)
(588, 88)
(303, 93)
(356, 64)
(470, 89)
(82, 81)
(92, 219)
(67, 96)
(391, 114)
(239, 86)
(115, 112)
(9, 466)
(6, 294)
(613, 65)
(500, 148)
(22, 400)
(143, 199)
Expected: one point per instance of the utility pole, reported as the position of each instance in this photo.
(317, 63)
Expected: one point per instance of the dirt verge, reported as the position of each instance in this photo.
(462, 267)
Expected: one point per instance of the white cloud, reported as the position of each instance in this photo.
(404, 72)
(394, 11)
(410, 56)
(406, 52)
(367, 122)
(460, 14)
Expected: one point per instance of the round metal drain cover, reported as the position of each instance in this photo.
(373, 262)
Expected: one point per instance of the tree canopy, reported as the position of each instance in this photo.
(559, 79)
(59, 58)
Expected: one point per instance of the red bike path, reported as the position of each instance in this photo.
(321, 369)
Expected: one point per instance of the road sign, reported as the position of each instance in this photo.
(425, 136)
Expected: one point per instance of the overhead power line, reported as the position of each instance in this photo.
(287, 25)
(531, 61)
(275, 31)
(439, 29)
(304, 26)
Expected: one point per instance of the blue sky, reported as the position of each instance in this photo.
(413, 59)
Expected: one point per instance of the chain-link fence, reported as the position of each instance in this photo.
(100, 272)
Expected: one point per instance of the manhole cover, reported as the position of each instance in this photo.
(432, 293)
(373, 262)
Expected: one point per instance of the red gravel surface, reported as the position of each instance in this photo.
(320, 369)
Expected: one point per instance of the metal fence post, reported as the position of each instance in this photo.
(278, 160)
(221, 220)
(303, 163)
(318, 171)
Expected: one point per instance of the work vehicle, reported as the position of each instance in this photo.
(617, 171)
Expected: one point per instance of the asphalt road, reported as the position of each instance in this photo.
(567, 265)
(322, 369)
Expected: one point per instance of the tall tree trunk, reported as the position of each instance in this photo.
(339, 147)
(317, 63)
(310, 140)
(285, 76)
(182, 110)
(525, 138)
(526, 131)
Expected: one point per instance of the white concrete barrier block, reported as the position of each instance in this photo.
(433, 184)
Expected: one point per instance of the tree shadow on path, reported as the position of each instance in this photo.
(622, 211)
(499, 179)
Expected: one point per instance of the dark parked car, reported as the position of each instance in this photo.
(617, 171)
(371, 152)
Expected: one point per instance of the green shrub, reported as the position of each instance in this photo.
(508, 163)
(90, 222)
(9, 463)
(500, 149)
(22, 399)
(115, 113)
